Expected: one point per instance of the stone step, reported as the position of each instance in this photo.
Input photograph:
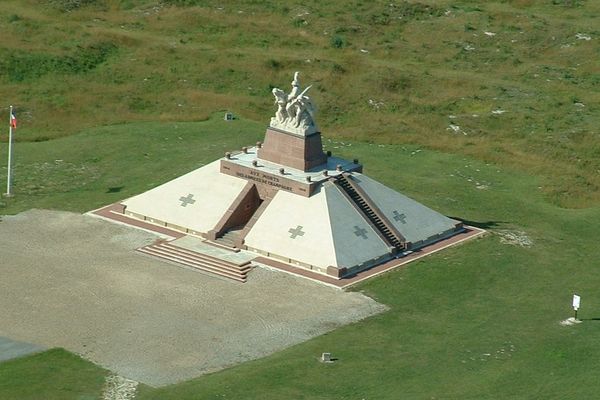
(203, 262)
(193, 260)
(225, 241)
(232, 233)
(261, 208)
(229, 238)
(224, 246)
(192, 255)
(204, 268)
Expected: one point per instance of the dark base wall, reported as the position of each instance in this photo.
(300, 152)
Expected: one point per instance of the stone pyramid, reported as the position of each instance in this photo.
(288, 200)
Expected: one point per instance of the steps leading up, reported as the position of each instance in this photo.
(239, 234)
(227, 269)
(230, 238)
(363, 205)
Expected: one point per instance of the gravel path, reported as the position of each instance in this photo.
(74, 281)
(10, 349)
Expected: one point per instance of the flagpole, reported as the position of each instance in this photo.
(10, 140)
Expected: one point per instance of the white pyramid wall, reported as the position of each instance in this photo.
(314, 242)
(328, 224)
(330, 230)
(211, 192)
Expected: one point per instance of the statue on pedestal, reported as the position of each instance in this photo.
(295, 111)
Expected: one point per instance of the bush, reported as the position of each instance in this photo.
(299, 22)
(391, 82)
(70, 5)
(338, 41)
(338, 69)
(274, 64)
(183, 3)
(418, 10)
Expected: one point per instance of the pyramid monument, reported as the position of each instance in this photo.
(288, 200)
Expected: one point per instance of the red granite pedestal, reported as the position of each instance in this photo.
(295, 151)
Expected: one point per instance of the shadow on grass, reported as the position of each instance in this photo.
(481, 225)
(115, 189)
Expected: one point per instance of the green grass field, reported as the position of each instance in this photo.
(53, 375)
(102, 165)
(116, 97)
(448, 311)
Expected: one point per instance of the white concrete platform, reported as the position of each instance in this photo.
(200, 246)
(316, 174)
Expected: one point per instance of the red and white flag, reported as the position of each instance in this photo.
(13, 120)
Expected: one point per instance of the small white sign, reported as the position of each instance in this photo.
(576, 301)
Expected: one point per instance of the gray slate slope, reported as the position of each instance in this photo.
(412, 219)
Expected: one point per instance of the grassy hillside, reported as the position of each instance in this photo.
(511, 82)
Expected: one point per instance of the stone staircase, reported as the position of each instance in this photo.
(229, 238)
(392, 239)
(203, 262)
(233, 235)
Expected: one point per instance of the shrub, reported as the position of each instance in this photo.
(299, 22)
(274, 64)
(338, 41)
(70, 5)
(338, 69)
(183, 3)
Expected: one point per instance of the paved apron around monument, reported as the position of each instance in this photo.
(76, 282)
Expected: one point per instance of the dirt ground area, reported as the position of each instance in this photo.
(75, 281)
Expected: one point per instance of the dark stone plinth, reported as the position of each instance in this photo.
(288, 149)
(337, 273)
